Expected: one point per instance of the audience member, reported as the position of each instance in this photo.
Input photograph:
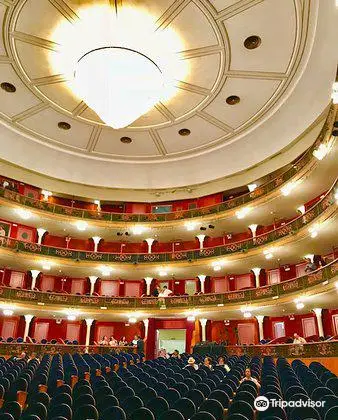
(248, 377)
(191, 363)
(221, 362)
(156, 291)
(113, 342)
(123, 341)
(104, 341)
(163, 353)
(165, 292)
(310, 266)
(176, 354)
(298, 339)
(208, 362)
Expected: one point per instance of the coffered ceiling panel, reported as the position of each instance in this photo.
(204, 70)
(2, 15)
(44, 26)
(46, 122)
(193, 27)
(183, 102)
(275, 22)
(10, 106)
(35, 60)
(202, 132)
(109, 142)
(253, 94)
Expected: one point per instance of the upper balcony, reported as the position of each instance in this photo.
(315, 216)
(264, 192)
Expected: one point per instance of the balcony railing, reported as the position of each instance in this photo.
(280, 232)
(242, 200)
(299, 284)
(15, 349)
(309, 350)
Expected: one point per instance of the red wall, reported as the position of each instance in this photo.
(120, 330)
(56, 330)
(291, 326)
(218, 331)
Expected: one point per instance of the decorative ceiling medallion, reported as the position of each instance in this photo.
(252, 42)
(232, 100)
(8, 87)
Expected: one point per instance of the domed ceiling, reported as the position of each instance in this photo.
(255, 79)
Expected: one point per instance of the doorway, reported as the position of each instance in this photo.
(279, 329)
(170, 340)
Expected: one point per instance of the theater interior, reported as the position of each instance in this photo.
(168, 210)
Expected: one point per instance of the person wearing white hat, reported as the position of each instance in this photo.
(191, 363)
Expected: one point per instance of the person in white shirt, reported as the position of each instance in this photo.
(165, 292)
(221, 362)
(298, 339)
(191, 362)
(248, 377)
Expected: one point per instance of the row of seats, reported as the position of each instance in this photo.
(122, 387)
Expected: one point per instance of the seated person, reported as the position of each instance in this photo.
(310, 266)
(104, 341)
(221, 362)
(156, 291)
(208, 362)
(191, 364)
(297, 339)
(163, 353)
(248, 377)
(113, 342)
(165, 292)
(123, 341)
(176, 354)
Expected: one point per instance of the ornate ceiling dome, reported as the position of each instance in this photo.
(253, 81)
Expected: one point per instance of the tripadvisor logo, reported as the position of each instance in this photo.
(262, 403)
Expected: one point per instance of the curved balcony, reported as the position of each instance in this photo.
(309, 350)
(296, 285)
(319, 212)
(306, 160)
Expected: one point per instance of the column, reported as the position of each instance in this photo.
(201, 240)
(146, 326)
(150, 242)
(148, 281)
(202, 278)
(28, 320)
(40, 232)
(253, 229)
(203, 322)
(318, 312)
(96, 240)
(92, 280)
(256, 271)
(260, 319)
(89, 323)
(35, 274)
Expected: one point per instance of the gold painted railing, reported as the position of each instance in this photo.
(15, 349)
(291, 228)
(299, 284)
(242, 200)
